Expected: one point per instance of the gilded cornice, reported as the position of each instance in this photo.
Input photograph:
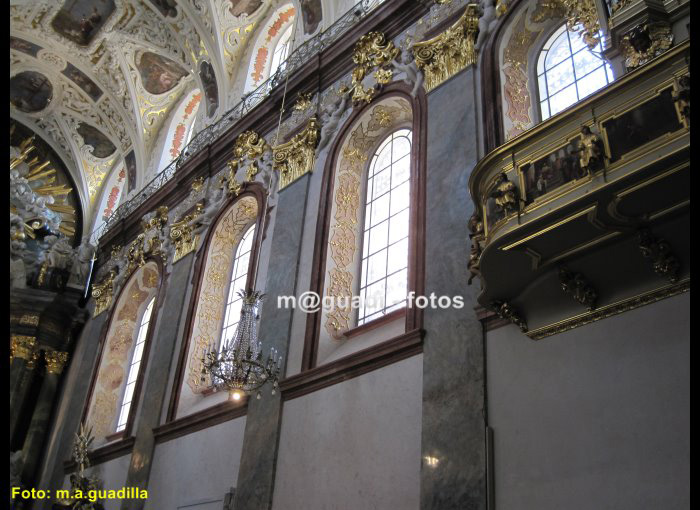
(296, 157)
(453, 50)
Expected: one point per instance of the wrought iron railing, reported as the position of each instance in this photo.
(248, 102)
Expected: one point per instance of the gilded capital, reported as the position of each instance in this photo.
(296, 157)
(23, 347)
(55, 361)
(445, 55)
(102, 293)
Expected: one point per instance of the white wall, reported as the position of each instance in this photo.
(196, 470)
(594, 418)
(354, 445)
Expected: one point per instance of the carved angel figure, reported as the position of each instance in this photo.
(330, 117)
(487, 21)
(413, 75)
(84, 254)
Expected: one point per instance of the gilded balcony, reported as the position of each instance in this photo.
(587, 213)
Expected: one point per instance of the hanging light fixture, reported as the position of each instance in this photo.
(238, 366)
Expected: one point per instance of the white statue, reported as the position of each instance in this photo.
(330, 117)
(487, 21)
(60, 255)
(214, 203)
(80, 272)
(413, 75)
(267, 173)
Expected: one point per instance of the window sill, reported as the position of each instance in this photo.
(376, 323)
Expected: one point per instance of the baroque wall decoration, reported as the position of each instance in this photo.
(30, 91)
(114, 363)
(445, 55)
(373, 52)
(211, 301)
(158, 73)
(296, 157)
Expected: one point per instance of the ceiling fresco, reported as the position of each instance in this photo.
(158, 74)
(30, 91)
(80, 20)
(100, 80)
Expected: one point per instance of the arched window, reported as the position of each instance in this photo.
(281, 50)
(385, 235)
(368, 256)
(134, 366)
(228, 261)
(568, 71)
(124, 353)
(239, 275)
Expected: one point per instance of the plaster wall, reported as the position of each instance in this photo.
(196, 470)
(355, 444)
(597, 417)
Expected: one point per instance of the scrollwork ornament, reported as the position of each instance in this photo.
(506, 311)
(576, 286)
(664, 262)
(373, 52)
(644, 42)
(23, 347)
(182, 233)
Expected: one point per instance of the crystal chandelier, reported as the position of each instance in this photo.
(239, 367)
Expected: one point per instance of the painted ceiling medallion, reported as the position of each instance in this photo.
(158, 74)
(101, 145)
(30, 91)
(80, 20)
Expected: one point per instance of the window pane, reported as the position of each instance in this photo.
(560, 76)
(401, 170)
(382, 160)
(396, 288)
(594, 81)
(585, 62)
(381, 183)
(378, 237)
(558, 51)
(376, 266)
(400, 197)
(563, 99)
(398, 256)
(568, 71)
(380, 209)
(398, 226)
(402, 146)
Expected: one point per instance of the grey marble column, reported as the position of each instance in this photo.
(74, 393)
(453, 472)
(256, 475)
(21, 377)
(172, 312)
(38, 427)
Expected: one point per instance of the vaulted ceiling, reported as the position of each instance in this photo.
(98, 80)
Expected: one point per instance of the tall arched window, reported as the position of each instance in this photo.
(239, 275)
(368, 256)
(568, 71)
(123, 357)
(385, 234)
(228, 261)
(134, 367)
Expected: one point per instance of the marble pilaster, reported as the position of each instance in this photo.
(172, 314)
(256, 474)
(453, 472)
